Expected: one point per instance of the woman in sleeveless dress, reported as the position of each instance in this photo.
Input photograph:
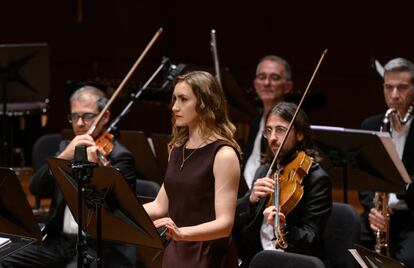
(197, 200)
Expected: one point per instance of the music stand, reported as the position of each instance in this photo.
(17, 221)
(366, 160)
(24, 86)
(123, 217)
(371, 259)
(16, 216)
(25, 72)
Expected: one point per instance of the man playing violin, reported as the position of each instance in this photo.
(304, 225)
(59, 247)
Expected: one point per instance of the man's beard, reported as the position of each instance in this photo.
(274, 146)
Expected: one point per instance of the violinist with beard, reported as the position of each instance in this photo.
(304, 224)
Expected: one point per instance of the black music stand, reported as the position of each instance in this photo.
(370, 259)
(122, 216)
(17, 221)
(365, 160)
(24, 87)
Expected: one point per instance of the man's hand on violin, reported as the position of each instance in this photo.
(270, 212)
(92, 154)
(261, 188)
(69, 151)
(97, 155)
(376, 220)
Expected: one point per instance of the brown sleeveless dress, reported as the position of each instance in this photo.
(190, 193)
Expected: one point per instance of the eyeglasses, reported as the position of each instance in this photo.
(279, 130)
(86, 117)
(399, 87)
(273, 77)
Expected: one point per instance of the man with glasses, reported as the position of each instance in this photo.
(59, 247)
(398, 91)
(273, 81)
(304, 225)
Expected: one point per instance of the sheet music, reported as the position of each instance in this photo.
(4, 241)
(392, 151)
(371, 259)
(358, 257)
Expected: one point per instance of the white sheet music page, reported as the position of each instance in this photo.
(4, 241)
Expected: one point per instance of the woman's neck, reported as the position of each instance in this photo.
(196, 137)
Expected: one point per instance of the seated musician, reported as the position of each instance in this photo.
(304, 225)
(59, 246)
(398, 91)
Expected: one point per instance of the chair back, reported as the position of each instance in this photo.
(273, 258)
(146, 188)
(341, 233)
(45, 146)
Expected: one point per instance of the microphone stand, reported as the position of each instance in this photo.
(136, 95)
(82, 172)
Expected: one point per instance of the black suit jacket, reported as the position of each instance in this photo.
(304, 224)
(43, 184)
(375, 123)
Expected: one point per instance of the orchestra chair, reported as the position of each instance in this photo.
(341, 233)
(45, 146)
(273, 258)
(146, 188)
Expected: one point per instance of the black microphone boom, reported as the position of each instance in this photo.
(173, 72)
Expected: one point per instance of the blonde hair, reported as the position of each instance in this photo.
(211, 106)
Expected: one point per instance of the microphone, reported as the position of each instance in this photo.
(80, 154)
(164, 61)
(173, 72)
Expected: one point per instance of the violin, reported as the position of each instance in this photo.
(288, 179)
(290, 182)
(106, 139)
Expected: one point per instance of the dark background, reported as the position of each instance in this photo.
(103, 43)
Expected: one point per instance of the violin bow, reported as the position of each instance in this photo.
(213, 44)
(271, 168)
(120, 87)
(276, 196)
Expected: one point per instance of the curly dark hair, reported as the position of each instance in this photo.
(286, 110)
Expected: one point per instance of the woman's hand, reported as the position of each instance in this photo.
(172, 230)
